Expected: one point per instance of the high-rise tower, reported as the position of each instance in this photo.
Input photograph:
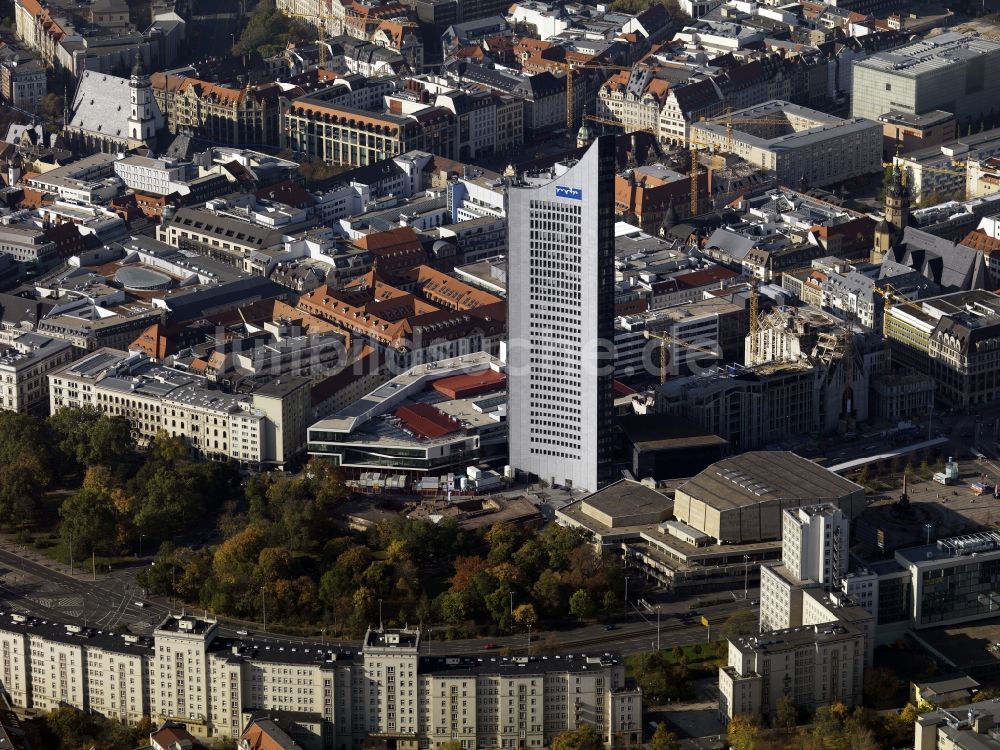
(560, 320)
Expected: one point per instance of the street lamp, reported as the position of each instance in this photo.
(746, 576)
(141, 537)
(263, 607)
(626, 594)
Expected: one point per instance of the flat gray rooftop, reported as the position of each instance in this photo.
(758, 476)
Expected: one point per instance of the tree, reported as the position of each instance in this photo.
(548, 592)
(269, 30)
(581, 605)
(525, 615)
(663, 738)
(742, 732)
(87, 437)
(787, 716)
(52, 106)
(880, 685)
(88, 521)
(584, 737)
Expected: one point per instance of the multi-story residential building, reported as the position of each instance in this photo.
(685, 105)
(90, 325)
(23, 83)
(48, 665)
(814, 555)
(189, 672)
(953, 338)
(969, 727)
(404, 39)
(543, 95)
(24, 366)
(249, 236)
(633, 98)
(246, 116)
(26, 243)
(144, 174)
(49, 32)
(801, 145)
(510, 123)
(425, 317)
(336, 134)
(561, 306)
(816, 664)
(476, 122)
(265, 427)
(814, 644)
(815, 543)
(948, 72)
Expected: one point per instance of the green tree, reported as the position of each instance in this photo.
(787, 716)
(581, 605)
(88, 522)
(87, 437)
(742, 732)
(52, 106)
(269, 31)
(548, 592)
(584, 737)
(880, 685)
(663, 738)
(525, 615)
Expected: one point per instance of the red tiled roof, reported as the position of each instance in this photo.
(472, 384)
(978, 240)
(426, 421)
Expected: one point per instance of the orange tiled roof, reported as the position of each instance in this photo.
(978, 240)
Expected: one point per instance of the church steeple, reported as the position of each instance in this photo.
(141, 121)
(889, 231)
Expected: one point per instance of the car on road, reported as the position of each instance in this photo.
(140, 604)
(609, 628)
(490, 646)
(241, 632)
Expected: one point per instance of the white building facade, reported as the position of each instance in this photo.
(561, 320)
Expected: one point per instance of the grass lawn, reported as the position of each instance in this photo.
(57, 548)
(707, 658)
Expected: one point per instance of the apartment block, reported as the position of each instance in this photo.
(24, 367)
(265, 427)
(815, 664)
(189, 672)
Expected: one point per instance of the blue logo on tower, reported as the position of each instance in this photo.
(574, 194)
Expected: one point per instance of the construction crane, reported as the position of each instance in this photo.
(569, 68)
(321, 24)
(666, 340)
(628, 127)
(695, 143)
(754, 321)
